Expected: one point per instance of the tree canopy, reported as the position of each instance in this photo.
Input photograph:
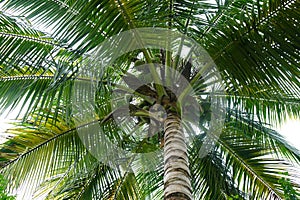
(44, 44)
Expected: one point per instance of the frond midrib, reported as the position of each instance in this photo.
(56, 136)
(25, 77)
(28, 38)
(249, 169)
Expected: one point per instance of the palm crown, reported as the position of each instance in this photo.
(46, 44)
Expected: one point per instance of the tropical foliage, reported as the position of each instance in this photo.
(3, 185)
(44, 44)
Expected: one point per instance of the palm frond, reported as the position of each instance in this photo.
(32, 66)
(249, 46)
(82, 25)
(22, 45)
(248, 160)
(210, 178)
(35, 93)
(268, 107)
(65, 168)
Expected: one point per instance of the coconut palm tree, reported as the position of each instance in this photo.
(65, 149)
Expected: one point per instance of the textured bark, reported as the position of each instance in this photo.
(177, 184)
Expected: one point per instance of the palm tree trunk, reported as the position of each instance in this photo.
(177, 184)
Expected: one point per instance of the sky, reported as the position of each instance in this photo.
(291, 130)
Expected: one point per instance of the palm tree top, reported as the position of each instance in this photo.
(47, 47)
